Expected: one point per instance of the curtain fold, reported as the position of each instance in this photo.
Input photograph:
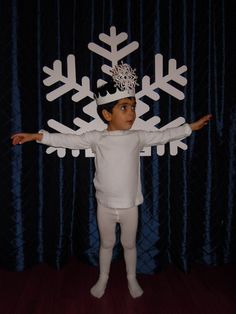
(48, 205)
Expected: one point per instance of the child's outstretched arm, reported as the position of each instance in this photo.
(199, 124)
(71, 141)
(151, 138)
(21, 138)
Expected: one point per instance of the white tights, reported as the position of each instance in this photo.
(107, 219)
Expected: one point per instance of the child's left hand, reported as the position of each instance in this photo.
(199, 124)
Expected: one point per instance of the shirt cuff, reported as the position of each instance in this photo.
(187, 129)
(44, 138)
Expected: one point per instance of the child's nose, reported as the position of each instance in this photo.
(131, 112)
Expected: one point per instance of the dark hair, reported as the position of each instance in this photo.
(102, 91)
(106, 88)
(108, 107)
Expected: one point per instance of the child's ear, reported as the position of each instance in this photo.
(107, 115)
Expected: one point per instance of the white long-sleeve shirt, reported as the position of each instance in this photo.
(117, 161)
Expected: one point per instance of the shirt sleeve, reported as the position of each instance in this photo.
(153, 138)
(71, 141)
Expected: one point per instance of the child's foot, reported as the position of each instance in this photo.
(99, 288)
(134, 288)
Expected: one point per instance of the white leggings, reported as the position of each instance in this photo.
(107, 219)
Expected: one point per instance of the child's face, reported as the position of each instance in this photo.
(123, 115)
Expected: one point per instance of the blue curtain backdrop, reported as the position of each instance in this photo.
(48, 209)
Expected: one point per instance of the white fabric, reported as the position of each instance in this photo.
(102, 100)
(107, 219)
(117, 176)
(118, 189)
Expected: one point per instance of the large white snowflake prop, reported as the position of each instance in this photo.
(69, 83)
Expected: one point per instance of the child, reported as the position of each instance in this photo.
(117, 176)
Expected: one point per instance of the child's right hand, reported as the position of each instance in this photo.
(21, 138)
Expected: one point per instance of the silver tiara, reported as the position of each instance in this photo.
(124, 79)
(124, 76)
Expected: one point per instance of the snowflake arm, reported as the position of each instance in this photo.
(114, 55)
(174, 74)
(162, 82)
(55, 76)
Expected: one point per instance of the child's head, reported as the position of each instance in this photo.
(116, 99)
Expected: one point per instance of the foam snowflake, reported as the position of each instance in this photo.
(83, 90)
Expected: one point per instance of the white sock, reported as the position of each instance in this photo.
(99, 288)
(134, 287)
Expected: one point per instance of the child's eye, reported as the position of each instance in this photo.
(133, 108)
(123, 108)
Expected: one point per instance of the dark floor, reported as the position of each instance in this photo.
(205, 290)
